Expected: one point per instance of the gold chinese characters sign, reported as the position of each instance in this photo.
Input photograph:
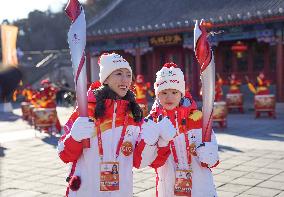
(166, 40)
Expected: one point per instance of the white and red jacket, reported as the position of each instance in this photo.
(85, 162)
(202, 179)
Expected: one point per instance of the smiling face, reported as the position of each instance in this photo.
(119, 81)
(169, 98)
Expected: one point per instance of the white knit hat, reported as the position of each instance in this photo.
(110, 62)
(169, 77)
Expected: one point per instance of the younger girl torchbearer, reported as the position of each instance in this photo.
(186, 171)
(117, 136)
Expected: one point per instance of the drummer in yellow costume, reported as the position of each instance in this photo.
(263, 100)
(262, 85)
(28, 93)
(234, 84)
(141, 89)
(220, 107)
(218, 89)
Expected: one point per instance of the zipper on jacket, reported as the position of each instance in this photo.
(176, 119)
(112, 156)
(114, 116)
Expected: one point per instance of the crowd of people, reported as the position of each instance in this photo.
(264, 101)
(260, 87)
(39, 106)
(123, 133)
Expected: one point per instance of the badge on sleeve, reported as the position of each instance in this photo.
(109, 176)
(183, 183)
(126, 148)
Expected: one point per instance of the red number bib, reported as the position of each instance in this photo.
(183, 183)
(109, 176)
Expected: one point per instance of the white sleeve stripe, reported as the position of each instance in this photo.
(61, 145)
(148, 155)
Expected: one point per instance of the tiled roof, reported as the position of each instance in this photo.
(130, 16)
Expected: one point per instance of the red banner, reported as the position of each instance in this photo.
(9, 39)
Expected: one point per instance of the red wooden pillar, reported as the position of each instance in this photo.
(182, 61)
(186, 66)
(149, 64)
(138, 61)
(234, 63)
(218, 60)
(279, 70)
(250, 61)
(266, 60)
(153, 66)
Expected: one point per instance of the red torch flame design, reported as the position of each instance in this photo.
(73, 10)
(202, 50)
(205, 58)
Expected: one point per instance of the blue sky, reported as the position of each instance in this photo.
(16, 9)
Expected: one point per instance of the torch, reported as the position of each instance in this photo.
(205, 58)
(77, 43)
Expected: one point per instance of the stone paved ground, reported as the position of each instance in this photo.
(251, 151)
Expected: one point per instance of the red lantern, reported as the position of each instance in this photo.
(239, 48)
(208, 25)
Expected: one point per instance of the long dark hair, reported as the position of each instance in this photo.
(104, 92)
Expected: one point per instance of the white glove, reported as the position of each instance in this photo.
(82, 129)
(150, 132)
(167, 132)
(208, 153)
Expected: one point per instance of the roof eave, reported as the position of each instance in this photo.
(157, 32)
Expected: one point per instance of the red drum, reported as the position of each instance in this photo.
(220, 113)
(25, 106)
(235, 101)
(31, 114)
(45, 117)
(264, 103)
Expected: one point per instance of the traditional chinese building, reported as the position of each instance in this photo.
(249, 37)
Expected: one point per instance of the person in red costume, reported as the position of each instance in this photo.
(118, 136)
(218, 89)
(141, 89)
(262, 84)
(234, 97)
(28, 93)
(46, 98)
(234, 84)
(186, 171)
(264, 101)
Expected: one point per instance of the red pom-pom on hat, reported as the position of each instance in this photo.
(170, 64)
(75, 183)
(95, 85)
